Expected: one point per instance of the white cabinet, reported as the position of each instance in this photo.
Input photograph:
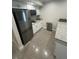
(61, 32)
(37, 26)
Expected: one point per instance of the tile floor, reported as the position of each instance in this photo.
(42, 46)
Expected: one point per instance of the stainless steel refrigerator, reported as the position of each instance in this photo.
(24, 24)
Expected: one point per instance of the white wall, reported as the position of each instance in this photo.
(16, 34)
(51, 12)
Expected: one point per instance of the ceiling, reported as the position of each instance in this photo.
(42, 1)
(37, 3)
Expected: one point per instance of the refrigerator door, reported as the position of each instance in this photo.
(24, 24)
